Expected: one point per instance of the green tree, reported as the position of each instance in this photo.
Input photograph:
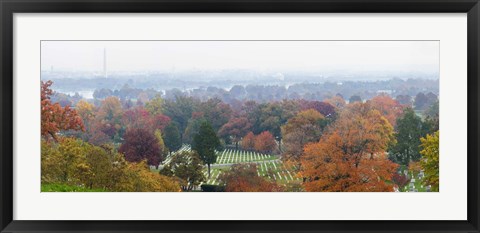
(192, 127)
(430, 160)
(172, 137)
(187, 166)
(432, 117)
(180, 110)
(205, 142)
(410, 129)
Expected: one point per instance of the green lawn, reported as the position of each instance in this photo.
(67, 188)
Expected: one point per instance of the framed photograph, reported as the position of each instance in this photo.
(245, 116)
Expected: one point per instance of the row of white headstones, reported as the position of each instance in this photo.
(236, 156)
(231, 156)
(278, 172)
(227, 156)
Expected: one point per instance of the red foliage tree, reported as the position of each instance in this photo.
(400, 179)
(265, 142)
(248, 142)
(139, 117)
(160, 121)
(54, 116)
(141, 144)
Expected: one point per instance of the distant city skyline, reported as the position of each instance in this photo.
(262, 56)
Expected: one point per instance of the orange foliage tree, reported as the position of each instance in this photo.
(388, 107)
(351, 156)
(265, 142)
(56, 117)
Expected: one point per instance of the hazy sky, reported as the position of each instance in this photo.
(275, 56)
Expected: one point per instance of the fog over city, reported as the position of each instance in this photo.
(319, 57)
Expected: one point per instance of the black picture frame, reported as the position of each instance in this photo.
(9, 7)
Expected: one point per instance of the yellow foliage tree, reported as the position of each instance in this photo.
(136, 177)
(75, 162)
(431, 160)
(155, 106)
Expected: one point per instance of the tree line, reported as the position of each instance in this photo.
(334, 145)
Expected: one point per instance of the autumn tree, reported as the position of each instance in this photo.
(80, 164)
(409, 131)
(109, 117)
(248, 142)
(155, 105)
(205, 143)
(103, 164)
(388, 107)
(244, 178)
(137, 177)
(85, 110)
(159, 121)
(336, 101)
(64, 162)
(305, 127)
(351, 156)
(172, 137)
(430, 162)
(414, 167)
(270, 117)
(235, 128)
(54, 117)
(401, 180)
(265, 142)
(140, 144)
(188, 167)
(326, 109)
(137, 117)
(74, 162)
